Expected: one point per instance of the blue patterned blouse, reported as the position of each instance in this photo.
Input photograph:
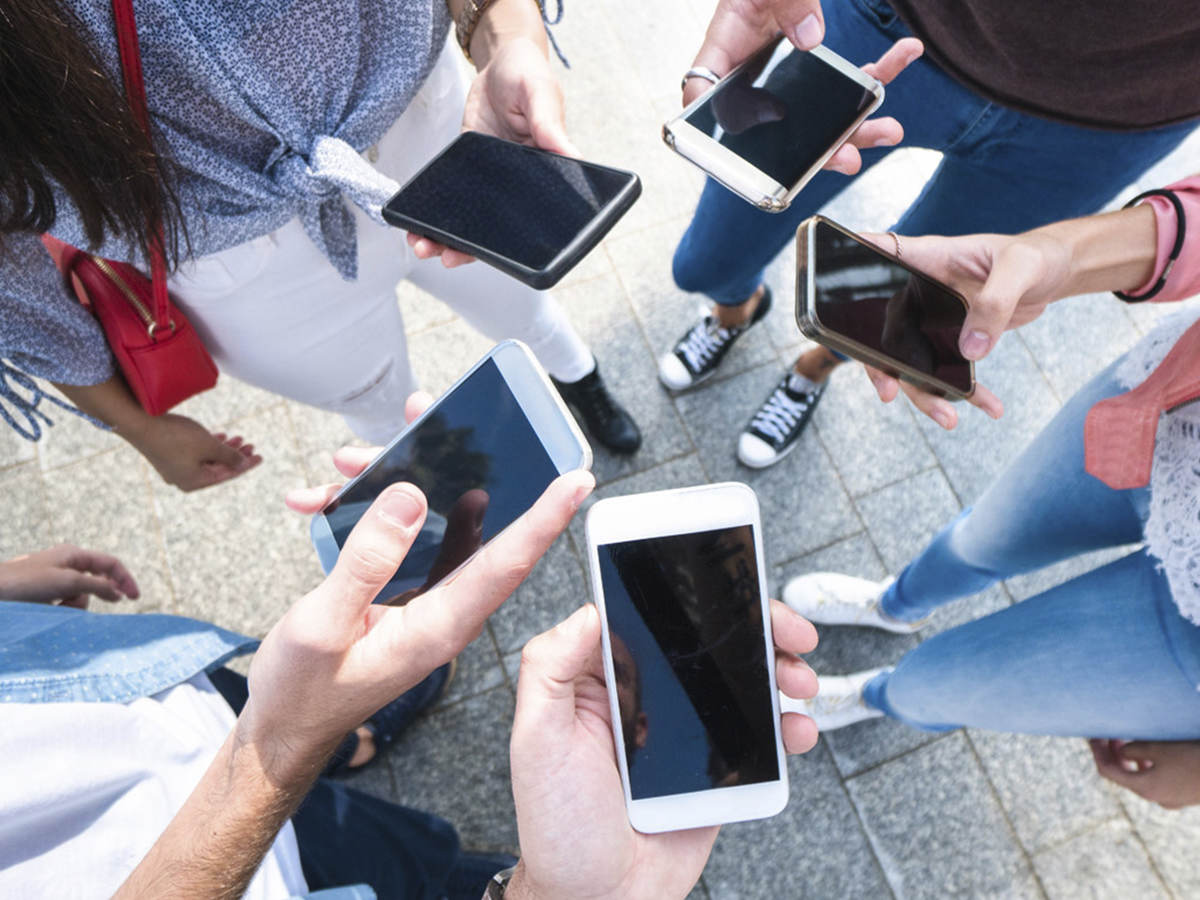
(265, 106)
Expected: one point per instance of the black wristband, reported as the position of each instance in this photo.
(1180, 230)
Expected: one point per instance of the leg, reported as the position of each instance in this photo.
(1104, 655)
(1042, 509)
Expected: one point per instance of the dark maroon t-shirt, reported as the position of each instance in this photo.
(1111, 64)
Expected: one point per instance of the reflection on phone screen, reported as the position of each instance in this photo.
(863, 295)
(480, 464)
(782, 112)
(523, 204)
(689, 655)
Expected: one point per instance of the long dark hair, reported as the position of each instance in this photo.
(65, 121)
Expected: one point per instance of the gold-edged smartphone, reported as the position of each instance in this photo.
(769, 126)
(870, 305)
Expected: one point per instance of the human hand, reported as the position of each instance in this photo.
(335, 657)
(66, 575)
(189, 456)
(575, 835)
(515, 97)
(1163, 772)
(740, 27)
(1007, 281)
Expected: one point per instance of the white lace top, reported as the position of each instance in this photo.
(1173, 529)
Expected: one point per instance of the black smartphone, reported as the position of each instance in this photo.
(530, 213)
(482, 454)
(853, 297)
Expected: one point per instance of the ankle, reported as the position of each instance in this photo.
(737, 316)
(816, 364)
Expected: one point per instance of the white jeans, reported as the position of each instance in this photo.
(273, 311)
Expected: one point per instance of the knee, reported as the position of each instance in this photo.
(688, 275)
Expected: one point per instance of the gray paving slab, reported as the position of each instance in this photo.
(601, 312)
(555, 588)
(902, 517)
(1071, 798)
(803, 504)
(1171, 838)
(118, 518)
(71, 438)
(479, 670)
(26, 520)
(1106, 863)
(241, 558)
(936, 827)
(815, 848)
(16, 450)
(230, 400)
(465, 781)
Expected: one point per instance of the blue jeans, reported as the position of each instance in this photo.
(1002, 170)
(1106, 654)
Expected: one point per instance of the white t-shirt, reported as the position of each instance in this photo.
(87, 788)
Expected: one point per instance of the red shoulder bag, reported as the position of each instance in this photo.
(156, 348)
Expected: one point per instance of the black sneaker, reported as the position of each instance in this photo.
(779, 422)
(697, 354)
(602, 417)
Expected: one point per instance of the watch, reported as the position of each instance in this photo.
(499, 884)
(464, 28)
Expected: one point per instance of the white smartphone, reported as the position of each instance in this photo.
(679, 579)
(768, 126)
(482, 454)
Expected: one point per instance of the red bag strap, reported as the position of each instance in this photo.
(135, 92)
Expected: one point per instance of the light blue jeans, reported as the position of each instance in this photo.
(1106, 654)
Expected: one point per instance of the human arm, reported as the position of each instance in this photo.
(515, 95)
(330, 662)
(575, 836)
(65, 575)
(1163, 772)
(740, 27)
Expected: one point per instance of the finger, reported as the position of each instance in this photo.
(794, 677)
(1015, 270)
(799, 733)
(423, 247)
(452, 259)
(1108, 766)
(450, 616)
(371, 555)
(351, 461)
(310, 500)
(71, 583)
(1145, 753)
(898, 57)
(212, 474)
(550, 665)
(546, 117)
(801, 21)
(937, 408)
(791, 631)
(225, 453)
(987, 401)
(845, 160)
(235, 442)
(730, 39)
(884, 132)
(107, 565)
(416, 404)
(885, 385)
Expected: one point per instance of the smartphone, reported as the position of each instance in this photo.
(482, 454)
(679, 579)
(867, 303)
(530, 213)
(768, 126)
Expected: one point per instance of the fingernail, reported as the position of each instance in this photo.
(883, 142)
(808, 33)
(975, 344)
(581, 492)
(401, 507)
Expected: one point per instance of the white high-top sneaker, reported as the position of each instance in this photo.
(839, 701)
(828, 598)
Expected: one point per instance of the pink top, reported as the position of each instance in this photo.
(1184, 280)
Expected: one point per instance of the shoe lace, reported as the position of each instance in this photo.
(704, 341)
(779, 415)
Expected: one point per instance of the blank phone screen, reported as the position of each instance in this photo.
(689, 654)
(520, 203)
(480, 465)
(782, 112)
(865, 296)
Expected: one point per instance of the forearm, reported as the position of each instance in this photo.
(1111, 252)
(112, 403)
(503, 21)
(215, 843)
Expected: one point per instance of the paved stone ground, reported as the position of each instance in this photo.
(878, 810)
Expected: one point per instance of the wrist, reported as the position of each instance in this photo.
(1111, 252)
(284, 760)
(503, 21)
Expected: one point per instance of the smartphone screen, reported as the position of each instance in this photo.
(782, 112)
(480, 465)
(685, 622)
(863, 295)
(520, 203)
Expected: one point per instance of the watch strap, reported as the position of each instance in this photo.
(499, 884)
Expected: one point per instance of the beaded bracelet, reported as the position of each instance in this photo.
(1180, 230)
